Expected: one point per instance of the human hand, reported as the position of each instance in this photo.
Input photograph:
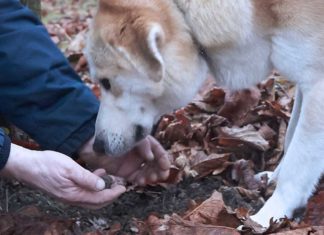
(146, 163)
(61, 177)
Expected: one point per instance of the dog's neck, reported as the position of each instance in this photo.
(182, 5)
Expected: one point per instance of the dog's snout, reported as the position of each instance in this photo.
(99, 146)
(139, 132)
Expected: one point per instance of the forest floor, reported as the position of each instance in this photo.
(218, 144)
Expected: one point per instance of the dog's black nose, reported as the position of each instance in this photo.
(99, 146)
(139, 133)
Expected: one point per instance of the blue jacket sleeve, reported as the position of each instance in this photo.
(4, 149)
(39, 91)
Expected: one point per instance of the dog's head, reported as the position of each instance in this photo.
(142, 55)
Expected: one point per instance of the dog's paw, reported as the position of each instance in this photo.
(262, 220)
(275, 209)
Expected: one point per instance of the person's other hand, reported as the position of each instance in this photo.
(61, 177)
(146, 163)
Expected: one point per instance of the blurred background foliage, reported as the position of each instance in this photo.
(35, 5)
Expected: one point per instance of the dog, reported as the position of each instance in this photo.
(146, 54)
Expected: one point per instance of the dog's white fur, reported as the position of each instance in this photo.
(147, 50)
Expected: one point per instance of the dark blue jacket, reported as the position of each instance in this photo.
(39, 91)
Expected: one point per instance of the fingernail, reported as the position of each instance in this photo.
(100, 184)
(150, 156)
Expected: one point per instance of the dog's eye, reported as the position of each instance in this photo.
(105, 83)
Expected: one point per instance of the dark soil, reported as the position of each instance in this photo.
(14, 198)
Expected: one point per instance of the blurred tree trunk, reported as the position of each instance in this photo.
(34, 5)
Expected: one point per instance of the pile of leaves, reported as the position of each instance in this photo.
(224, 127)
(217, 145)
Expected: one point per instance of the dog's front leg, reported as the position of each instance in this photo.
(303, 163)
(290, 131)
(294, 117)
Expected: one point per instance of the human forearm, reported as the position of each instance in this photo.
(16, 163)
(58, 175)
(39, 91)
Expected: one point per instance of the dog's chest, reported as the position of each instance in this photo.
(293, 55)
(241, 66)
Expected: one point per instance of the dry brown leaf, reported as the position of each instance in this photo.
(41, 225)
(238, 104)
(175, 225)
(248, 135)
(200, 106)
(267, 132)
(319, 230)
(243, 173)
(175, 176)
(215, 163)
(276, 154)
(301, 231)
(315, 208)
(251, 194)
(176, 131)
(215, 96)
(278, 110)
(212, 212)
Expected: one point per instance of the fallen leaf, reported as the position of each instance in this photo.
(246, 135)
(212, 212)
(315, 208)
(238, 104)
(214, 163)
(175, 225)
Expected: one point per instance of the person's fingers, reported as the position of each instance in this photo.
(132, 163)
(105, 196)
(97, 200)
(87, 180)
(154, 174)
(132, 178)
(153, 177)
(161, 155)
(144, 149)
(141, 180)
(148, 174)
(145, 175)
(163, 175)
(164, 162)
(118, 181)
(100, 172)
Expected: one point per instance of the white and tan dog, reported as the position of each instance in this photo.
(145, 55)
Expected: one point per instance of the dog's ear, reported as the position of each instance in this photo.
(155, 41)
